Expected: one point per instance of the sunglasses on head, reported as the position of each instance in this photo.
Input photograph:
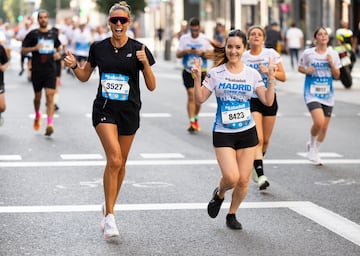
(115, 19)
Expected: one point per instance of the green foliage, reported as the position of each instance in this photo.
(12, 9)
(51, 6)
(2, 11)
(136, 5)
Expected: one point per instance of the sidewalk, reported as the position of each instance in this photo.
(294, 80)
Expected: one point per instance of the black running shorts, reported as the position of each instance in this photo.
(43, 80)
(257, 106)
(237, 140)
(189, 80)
(127, 119)
(58, 68)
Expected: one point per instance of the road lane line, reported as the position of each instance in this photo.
(81, 156)
(322, 154)
(43, 116)
(209, 114)
(161, 155)
(10, 157)
(152, 115)
(324, 217)
(167, 162)
(330, 220)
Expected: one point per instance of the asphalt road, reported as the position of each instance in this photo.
(51, 188)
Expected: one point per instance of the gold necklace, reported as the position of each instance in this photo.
(116, 49)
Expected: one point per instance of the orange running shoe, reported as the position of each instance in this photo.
(196, 126)
(37, 123)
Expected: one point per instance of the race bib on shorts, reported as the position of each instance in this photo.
(236, 115)
(115, 86)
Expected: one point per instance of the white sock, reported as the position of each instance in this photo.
(313, 140)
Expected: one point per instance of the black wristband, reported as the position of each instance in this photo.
(75, 66)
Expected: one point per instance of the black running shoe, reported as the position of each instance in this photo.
(232, 222)
(214, 204)
(192, 127)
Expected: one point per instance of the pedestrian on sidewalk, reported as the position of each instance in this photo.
(320, 64)
(45, 47)
(28, 26)
(259, 57)
(273, 37)
(116, 108)
(4, 63)
(294, 42)
(234, 132)
(193, 45)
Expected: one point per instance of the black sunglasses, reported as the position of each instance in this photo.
(115, 19)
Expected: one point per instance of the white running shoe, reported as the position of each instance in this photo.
(313, 154)
(110, 228)
(102, 223)
(263, 182)
(254, 175)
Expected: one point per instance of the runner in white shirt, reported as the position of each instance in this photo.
(259, 57)
(80, 43)
(294, 42)
(234, 132)
(321, 65)
(193, 45)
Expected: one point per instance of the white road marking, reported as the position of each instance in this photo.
(324, 217)
(151, 115)
(10, 157)
(81, 156)
(168, 162)
(330, 220)
(43, 116)
(152, 184)
(204, 114)
(161, 155)
(145, 115)
(322, 154)
(338, 182)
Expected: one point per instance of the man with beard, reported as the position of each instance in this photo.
(45, 47)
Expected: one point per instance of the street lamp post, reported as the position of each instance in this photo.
(169, 28)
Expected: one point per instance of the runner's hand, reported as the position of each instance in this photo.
(70, 60)
(141, 55)
(196, 69)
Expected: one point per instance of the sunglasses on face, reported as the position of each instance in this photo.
(115, 19)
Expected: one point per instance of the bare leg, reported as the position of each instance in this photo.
(116, 149)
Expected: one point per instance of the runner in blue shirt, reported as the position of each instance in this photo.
(234, 133)
(321, 65)
(258, 57)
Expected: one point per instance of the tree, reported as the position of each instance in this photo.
(2, 11)
(51, 6)
(136, 5)
(12, 9)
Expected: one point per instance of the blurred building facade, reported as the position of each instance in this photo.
(307, 14)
